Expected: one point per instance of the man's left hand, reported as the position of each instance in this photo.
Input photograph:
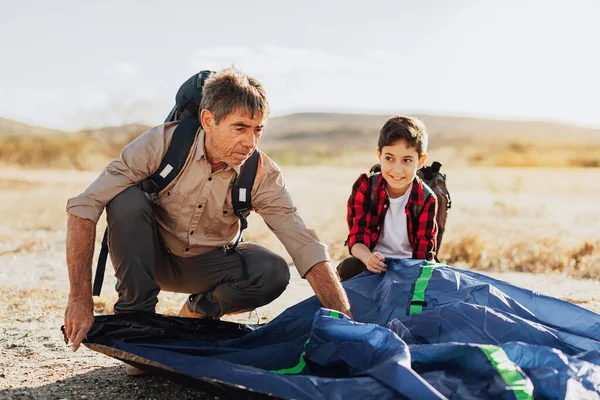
(328, 288)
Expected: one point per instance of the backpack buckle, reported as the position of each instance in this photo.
(243, 213)
(228, 249)
(150, 189)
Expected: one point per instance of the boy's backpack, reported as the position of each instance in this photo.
(434, 182)
(187, 105)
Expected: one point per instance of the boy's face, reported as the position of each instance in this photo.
(399, 165)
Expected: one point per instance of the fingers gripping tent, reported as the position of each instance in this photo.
(424, 331)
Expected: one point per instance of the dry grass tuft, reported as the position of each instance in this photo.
(469, 249)
(538, 256)
(526, 155)
(66, 151)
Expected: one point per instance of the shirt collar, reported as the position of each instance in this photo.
(201, 152)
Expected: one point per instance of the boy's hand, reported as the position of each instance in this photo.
(375, 263)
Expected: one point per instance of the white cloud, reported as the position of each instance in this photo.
(269, 59)
(305, 78)
(125, 68)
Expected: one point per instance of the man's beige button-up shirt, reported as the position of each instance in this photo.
(195, 214)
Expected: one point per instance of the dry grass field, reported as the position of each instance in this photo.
(539, 228)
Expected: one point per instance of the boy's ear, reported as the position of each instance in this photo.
(378, 156)
(422, 160)
(207, 120)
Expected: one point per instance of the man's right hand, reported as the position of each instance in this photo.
(79, 318)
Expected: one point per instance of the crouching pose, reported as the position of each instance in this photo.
(176, 241)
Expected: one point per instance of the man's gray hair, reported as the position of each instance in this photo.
(231, 90)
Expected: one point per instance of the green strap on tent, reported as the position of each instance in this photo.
(507, 370)
(295, 369)
(298, 368)
(416, 304)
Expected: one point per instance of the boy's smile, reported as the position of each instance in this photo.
(399, 165)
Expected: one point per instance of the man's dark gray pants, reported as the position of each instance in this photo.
(144, 267)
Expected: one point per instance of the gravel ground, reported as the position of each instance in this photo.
(35, 362)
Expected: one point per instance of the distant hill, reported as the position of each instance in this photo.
(335, 139)
(116, 135)
(359, 131)
(10, 127)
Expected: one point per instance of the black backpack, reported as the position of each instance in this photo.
(187, 105)
(434, 182)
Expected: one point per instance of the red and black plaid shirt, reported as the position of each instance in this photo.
(365, 223)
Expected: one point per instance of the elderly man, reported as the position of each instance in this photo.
(177, 245)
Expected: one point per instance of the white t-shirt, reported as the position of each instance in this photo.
(393, 241)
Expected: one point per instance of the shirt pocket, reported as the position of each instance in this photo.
(169, 209)
(223, 224)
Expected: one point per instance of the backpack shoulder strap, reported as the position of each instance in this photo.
(170, 166)
(177, 153)
(99, 276)
(427, 192)
(241, 195)
(373, 175)
(416, 208)
(242, 187)
(372, 184)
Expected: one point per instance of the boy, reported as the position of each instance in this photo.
(383, 223)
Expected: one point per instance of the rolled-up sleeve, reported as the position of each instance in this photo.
(138, 160)
(273, 203)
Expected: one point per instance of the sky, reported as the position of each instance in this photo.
(81, 64)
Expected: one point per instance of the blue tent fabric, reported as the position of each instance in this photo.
(476, 337)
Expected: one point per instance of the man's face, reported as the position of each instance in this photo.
(233, 139)
(399, 165)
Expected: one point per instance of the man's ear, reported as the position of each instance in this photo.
(422, 160)
(207, 120)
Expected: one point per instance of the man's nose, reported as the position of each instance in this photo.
(249, 141)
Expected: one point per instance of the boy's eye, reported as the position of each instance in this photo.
(388, 158)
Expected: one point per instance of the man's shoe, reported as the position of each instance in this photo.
(188, 313)
(130, 370)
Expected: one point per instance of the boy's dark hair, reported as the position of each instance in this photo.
(408, 129)
(230, 90)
